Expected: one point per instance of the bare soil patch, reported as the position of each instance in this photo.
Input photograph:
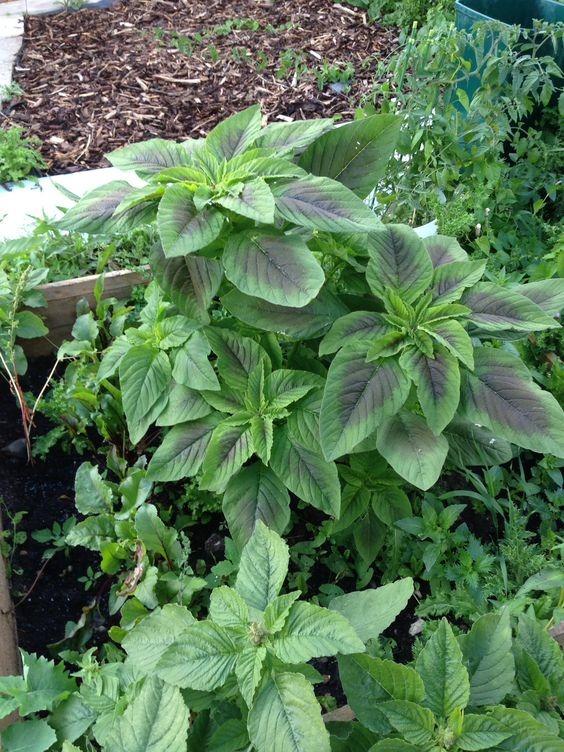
(95, 80)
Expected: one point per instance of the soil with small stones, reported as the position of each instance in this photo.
(95, 80)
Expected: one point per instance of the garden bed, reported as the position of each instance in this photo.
(161, 69)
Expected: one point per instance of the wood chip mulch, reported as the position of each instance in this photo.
(95, 80)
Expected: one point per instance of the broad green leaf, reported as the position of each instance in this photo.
(277, 611)
(183, 404)
(369, 681)
(255, 493)
(112, 358)
(452, 335)
(358, 396)
(29, 736)
(470, 444)
(263, 567)
(412, 449)
(480, 732)
(231, 736)
(322, 204)
(286, 717)
(444, 250)
(191, 282)
(227, 608)
(278, 268)
(438, 384)
(551, 578)
(150, 157)
(255, 201)
(237, 356)
(183, 450)
(369, 535)
(306, 473)
(145, 376)
(230, 447)
(312, 320)
(528, 734)
(156, 720)
(235, 134)
(311, 632)
(398, 261)
(262, 437)
(542, 648)
(46, 684)
(548, 294)
(261, 163)
(149, 640)
(94, 211)
(285, 386)
(91, 494)
(501, 395)
(70, 719)
(192, 367)
(489, 659)
(29, 325)
(154, 534)
(450, 280)
(202, 657)
(355, 154)
(174, 331)
(363, 326)
(496, 309)
(92, 532)
(415, 723)
(287, 137)
(394, 745)
(372, 611)
(446, 681)
(248, 670)
(182, 229)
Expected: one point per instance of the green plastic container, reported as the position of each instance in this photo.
(511, 13)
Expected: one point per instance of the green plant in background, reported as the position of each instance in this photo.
(490, 173)
(10, 91)
(403, 14)
(339, 75)
(19, 157)
(451, 699)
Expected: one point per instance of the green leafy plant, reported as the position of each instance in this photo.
(19, 157)
(452, 698)
(422, 343)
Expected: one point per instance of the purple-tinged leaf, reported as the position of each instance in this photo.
(358, 396)
(235, 134)
(93, 213)
(501, 395)
(182, 229)
(190, 282)
(278, 268)
(398, 261)
(438, 384)
(289, 137)
(254, 202)
(450, 280)
(183, 450)
(358, 326)
(412, 449)
(444, 250)
(495, 309)
(312, 320)
(548, 294)
(322, 204)
(355, 154)
(150, 157)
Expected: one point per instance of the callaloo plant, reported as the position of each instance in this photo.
(417, 376)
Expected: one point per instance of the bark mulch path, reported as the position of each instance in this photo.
(95, 80)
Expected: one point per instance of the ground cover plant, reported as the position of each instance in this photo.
(294, 357)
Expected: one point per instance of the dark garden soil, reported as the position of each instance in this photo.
(95, 80)
(47, 595)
